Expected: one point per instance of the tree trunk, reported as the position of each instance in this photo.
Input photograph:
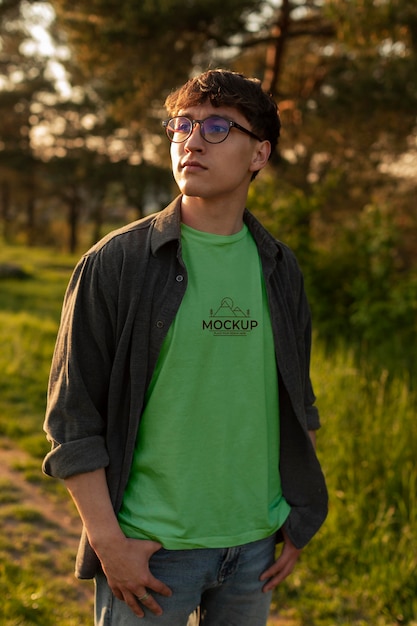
(31, 215)
(98, 219)
(275, 50)
(73, 218)
(5, 211)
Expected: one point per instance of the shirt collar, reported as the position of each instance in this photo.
(167, 227)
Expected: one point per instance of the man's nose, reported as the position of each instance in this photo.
(195, 138)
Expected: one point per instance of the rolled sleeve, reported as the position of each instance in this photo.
(313, 418)
(76, 457)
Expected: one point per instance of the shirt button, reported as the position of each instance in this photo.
(159, 324)
(179, 278)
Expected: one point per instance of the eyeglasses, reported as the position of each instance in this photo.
(213, 129)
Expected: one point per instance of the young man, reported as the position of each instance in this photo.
(180, 407)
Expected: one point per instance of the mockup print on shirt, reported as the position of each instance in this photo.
(205, 470)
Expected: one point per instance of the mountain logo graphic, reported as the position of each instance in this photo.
(229, 319)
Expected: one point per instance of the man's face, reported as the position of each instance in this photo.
(216, 171)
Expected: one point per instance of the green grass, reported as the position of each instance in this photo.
(36, 564)
(29, 315)
(360, 569)
(362, 566)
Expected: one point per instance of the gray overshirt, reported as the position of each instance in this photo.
(120, 302)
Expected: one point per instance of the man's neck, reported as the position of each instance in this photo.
(211, 217)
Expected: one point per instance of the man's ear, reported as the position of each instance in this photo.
(260, 156)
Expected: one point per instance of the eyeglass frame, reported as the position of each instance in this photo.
(231, 123)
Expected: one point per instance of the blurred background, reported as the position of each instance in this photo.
(82, 151)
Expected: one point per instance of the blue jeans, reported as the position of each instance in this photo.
(211, 587)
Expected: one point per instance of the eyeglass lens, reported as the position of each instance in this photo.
(213, 129)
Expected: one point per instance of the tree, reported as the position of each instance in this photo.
(344, 74)
(22, 77)
(26, 85)
(135, 52)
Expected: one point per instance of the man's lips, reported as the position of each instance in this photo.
(191, 165)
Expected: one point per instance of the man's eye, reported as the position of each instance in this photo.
(180, 125)
(181, 128)
(216, 126)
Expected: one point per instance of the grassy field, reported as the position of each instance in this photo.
(361, 569)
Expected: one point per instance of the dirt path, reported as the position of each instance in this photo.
(12, 463)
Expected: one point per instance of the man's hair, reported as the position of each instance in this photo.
(230, 89)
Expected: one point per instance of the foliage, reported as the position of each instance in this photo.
(61, 153)
(361, 285)
(362, 565)
(123, 49)
(22, 78)
(368, 545)
(344, 76)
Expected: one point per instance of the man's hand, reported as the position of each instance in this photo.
(126, 566)
(125, 561)
(283, 566)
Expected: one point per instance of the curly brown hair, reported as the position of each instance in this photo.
(225, 88)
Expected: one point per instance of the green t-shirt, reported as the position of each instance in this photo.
(205, 470)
